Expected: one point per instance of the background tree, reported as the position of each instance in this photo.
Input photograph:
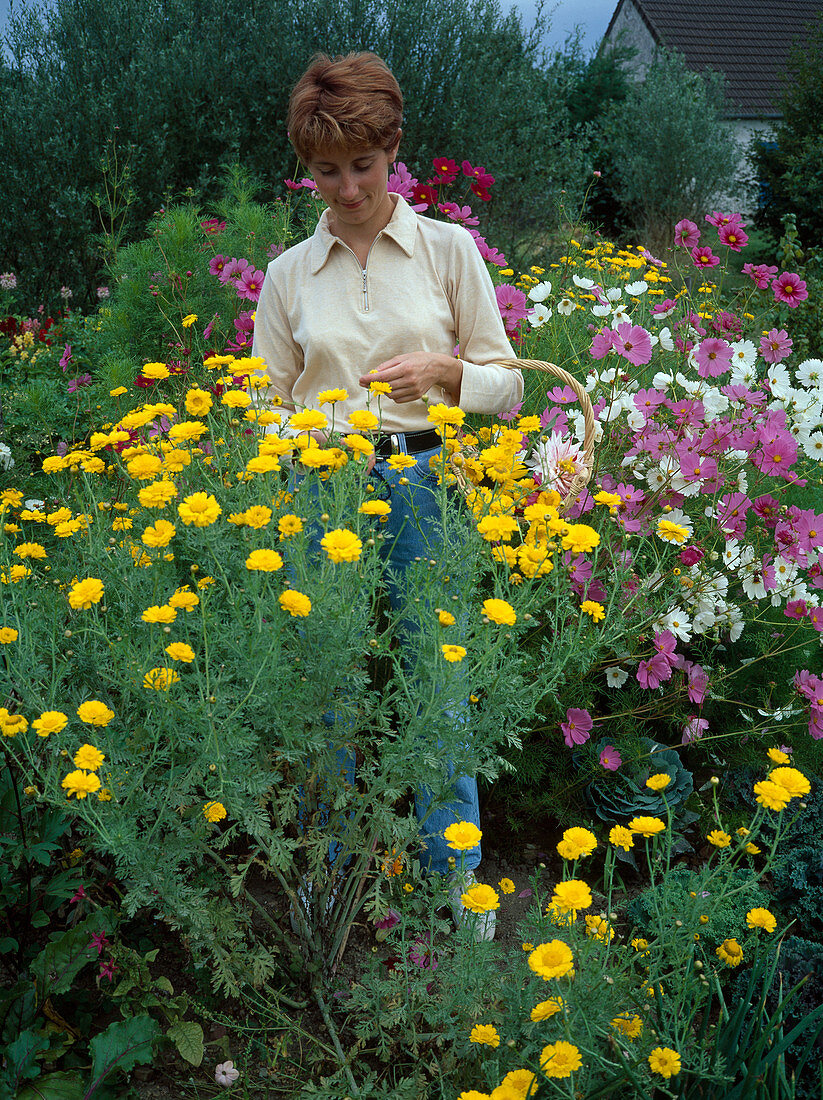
(188, 88)
(790, 167)
(667, 152)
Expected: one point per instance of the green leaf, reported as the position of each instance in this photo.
(21, 1057)
(60, 961)
(187, 1036)
(164, 984)
(39, 919)
(121, 1046)
(7, 943)
(56, 1086)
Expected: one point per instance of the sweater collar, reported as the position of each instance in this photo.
(402, 228)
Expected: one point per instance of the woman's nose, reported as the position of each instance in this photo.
(348, 188)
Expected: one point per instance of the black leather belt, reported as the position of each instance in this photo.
(389, 443)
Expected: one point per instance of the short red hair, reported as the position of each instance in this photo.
(347, 102)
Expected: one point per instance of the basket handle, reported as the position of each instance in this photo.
(581, 479)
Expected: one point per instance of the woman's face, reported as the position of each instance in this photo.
(353, 184)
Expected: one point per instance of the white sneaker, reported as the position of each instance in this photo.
(482, 925)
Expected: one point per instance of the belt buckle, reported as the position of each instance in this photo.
(394, 443)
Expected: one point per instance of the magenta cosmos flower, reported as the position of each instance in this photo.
(512, 304)
(789, 288)
(760, 274)
(733, 236)
(686, 234)
(578, 726)
(610, 758)
(250, 284)
(704, 257)
(714, 357)
(633, 343)
(775, 345)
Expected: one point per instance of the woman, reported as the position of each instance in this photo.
(380, 293)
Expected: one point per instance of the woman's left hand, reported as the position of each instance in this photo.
(414, 373)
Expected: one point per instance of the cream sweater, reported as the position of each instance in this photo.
(323, 321)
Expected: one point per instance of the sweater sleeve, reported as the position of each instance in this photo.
(274, 341)
(486, 386)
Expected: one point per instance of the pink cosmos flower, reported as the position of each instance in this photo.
(389, 921)
(796, 609)
(66, 357)
(776, 455)
(809, 685)
(698, 682)
(421, 953)
(232, 269)
(293, 185)
(216, 265)
(714, 357)
(815, 617)
(666, 645)
(212, 225)
(610, 758)
(776, 345)
(808, 527)
(760, 274)
(816, 723)
(686, 234)
(602, 344)
(275, 250)
(486, 251)
(512, 304)
(731, 514)
(694, 729)
(718, 220)
(633, 343)
(577, 727)
(664, 309)
(76, 383)
(250, 284)
(732, 236)
(789, 288)
(652, 673)
(704, 257)
(462, 214)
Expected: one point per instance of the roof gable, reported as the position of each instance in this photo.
(747, 40)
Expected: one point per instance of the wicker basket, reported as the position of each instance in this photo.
(582, 478)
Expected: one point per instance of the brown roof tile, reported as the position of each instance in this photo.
(747, 40)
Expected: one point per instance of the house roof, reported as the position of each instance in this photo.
(747, 40)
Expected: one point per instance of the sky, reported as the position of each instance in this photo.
(559, 16)
(562, 16)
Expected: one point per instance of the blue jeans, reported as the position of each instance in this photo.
(413, 530)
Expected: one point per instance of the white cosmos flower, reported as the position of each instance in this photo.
(619, 316)
(539, 315)
(714, 402)
(778, 378)
(666, 339)
(636, 421)
(638, 288)
(813, 446)
(751, 578)
(608, 376)
(614, 293)
(34, 505)
(744, 353)
(540, 292)
(661, 380)
(616, 677)
(583, 282)
(678, 622)
(601, 311)
(810, 373)
(565, 307)
(743, 374)
(6, 461)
